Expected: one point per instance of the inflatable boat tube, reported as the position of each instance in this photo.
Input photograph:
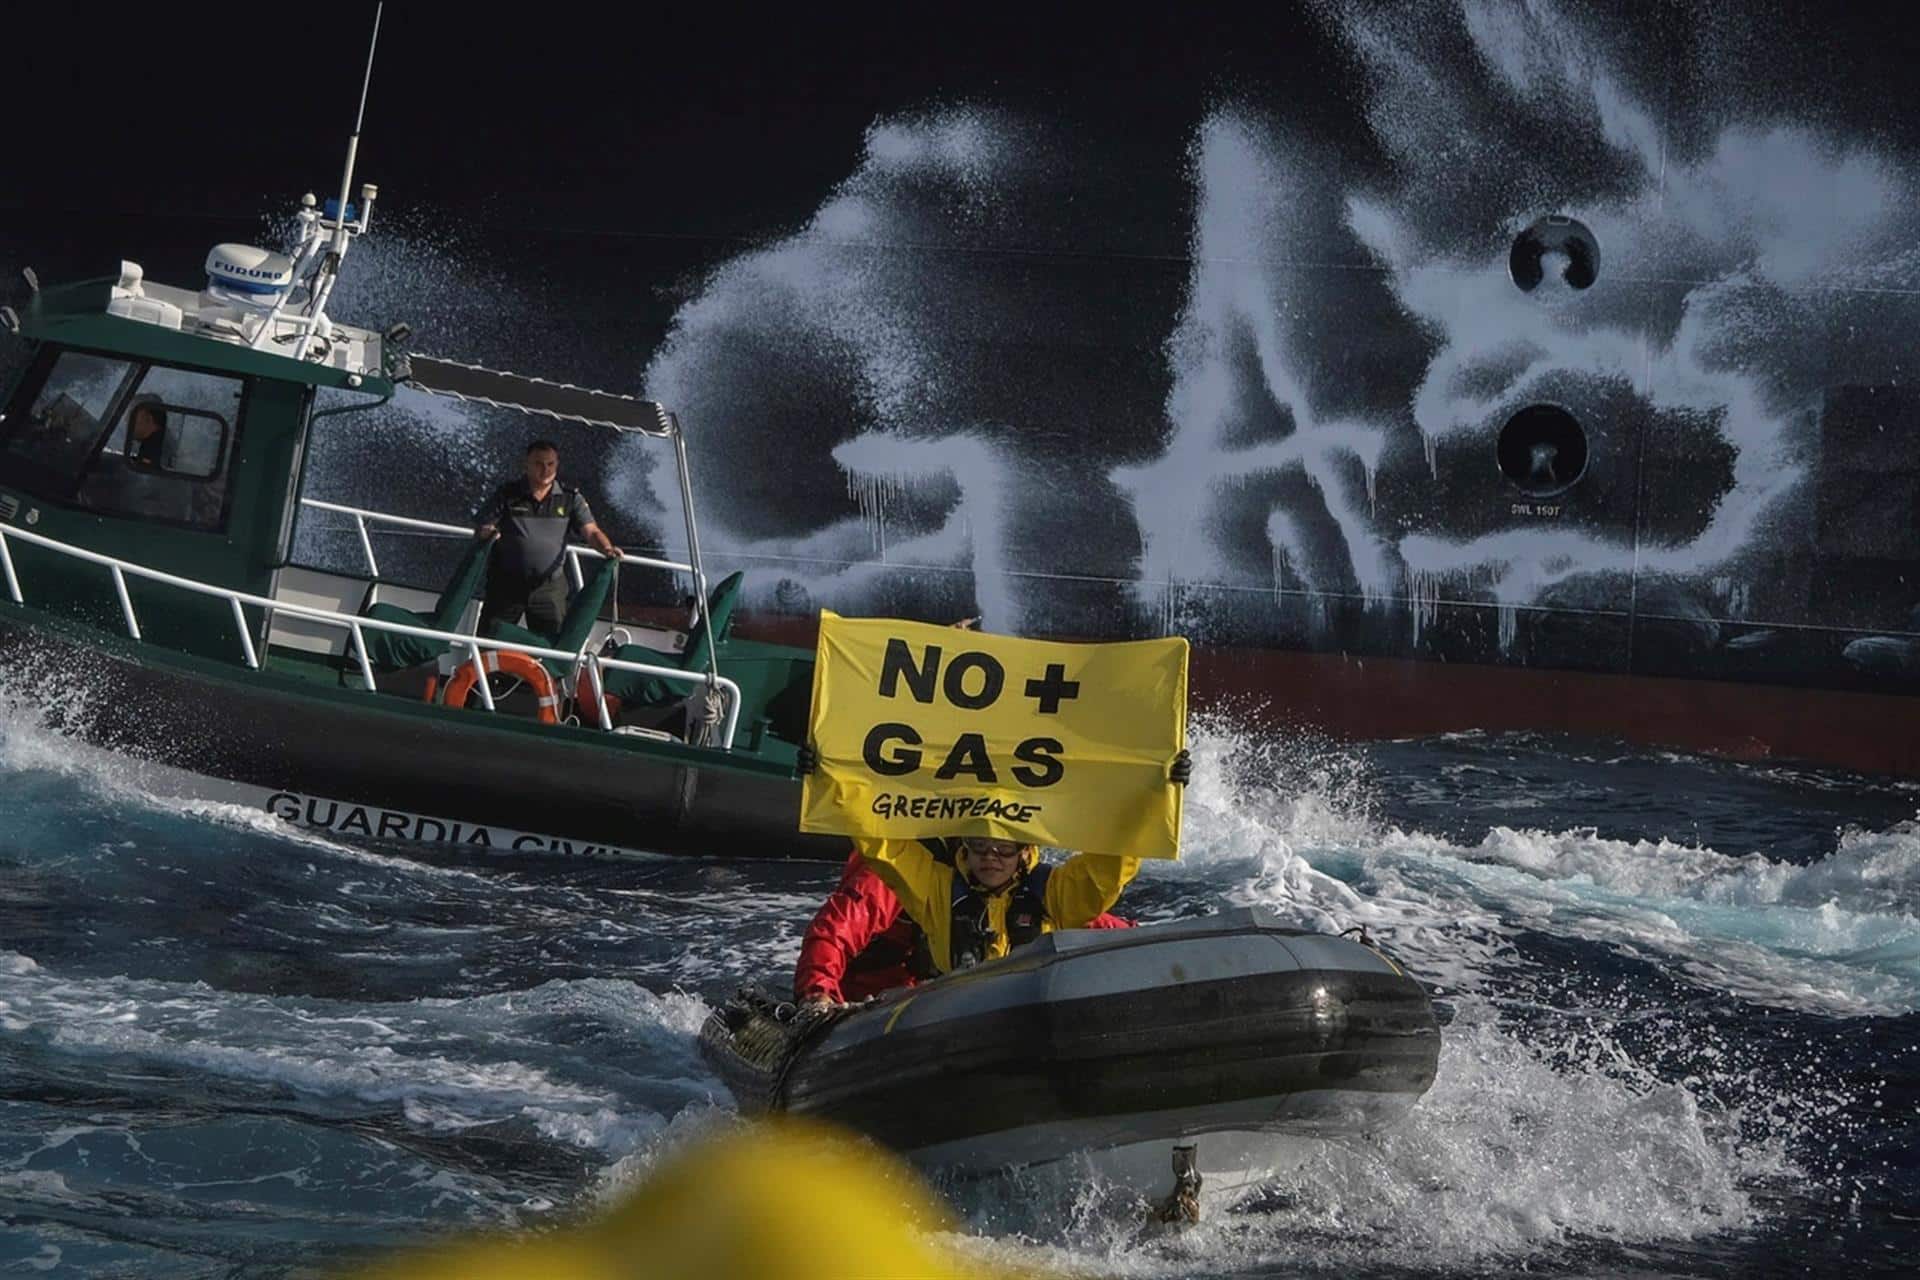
(1100, 1039)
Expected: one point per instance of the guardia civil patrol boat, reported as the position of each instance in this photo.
(1155, 1057)
(152, 473)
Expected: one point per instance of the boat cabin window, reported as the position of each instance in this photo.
(165, 456)
(126, 439)
(53, 439)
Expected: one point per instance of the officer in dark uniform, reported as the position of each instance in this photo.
(532, 517)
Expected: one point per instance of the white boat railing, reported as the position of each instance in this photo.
(583, 663)
(363, 518)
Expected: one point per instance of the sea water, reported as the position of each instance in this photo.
(1678, 994)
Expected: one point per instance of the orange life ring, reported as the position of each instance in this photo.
(513, 663)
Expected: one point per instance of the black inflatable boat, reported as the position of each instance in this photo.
(1121, 1041)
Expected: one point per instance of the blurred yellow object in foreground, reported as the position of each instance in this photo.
(780, 1200)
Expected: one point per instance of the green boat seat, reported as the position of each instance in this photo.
(582, 611)
(391, 651)
(634, 689)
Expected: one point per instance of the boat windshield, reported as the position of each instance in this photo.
(166, 455)
(48, 445)
(129, 439)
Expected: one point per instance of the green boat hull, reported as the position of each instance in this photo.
(320, 753)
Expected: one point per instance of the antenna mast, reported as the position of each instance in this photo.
(353, 143)
(343, 226)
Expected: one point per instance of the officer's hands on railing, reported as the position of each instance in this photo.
(1181, 773)
(804, 760)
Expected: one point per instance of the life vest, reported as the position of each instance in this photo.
(968, 935)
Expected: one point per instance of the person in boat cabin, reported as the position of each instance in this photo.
(908, 910)
(531, 518)
(147, 485)
(146, 434)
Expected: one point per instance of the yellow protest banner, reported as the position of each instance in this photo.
(930, 731)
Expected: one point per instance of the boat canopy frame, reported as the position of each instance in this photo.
(562, 402)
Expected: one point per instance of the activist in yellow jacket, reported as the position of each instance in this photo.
(962, 892)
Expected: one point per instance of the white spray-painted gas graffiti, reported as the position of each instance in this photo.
(1768, 212)
(929, 490)
(1242, 274)
(877, 465)
(1706, 314)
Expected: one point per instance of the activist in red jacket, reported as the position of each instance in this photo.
(860, 942)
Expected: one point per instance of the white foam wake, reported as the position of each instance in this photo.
(442, 1064)
(1291, 827)
(38, 718)
(1519, 1148)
